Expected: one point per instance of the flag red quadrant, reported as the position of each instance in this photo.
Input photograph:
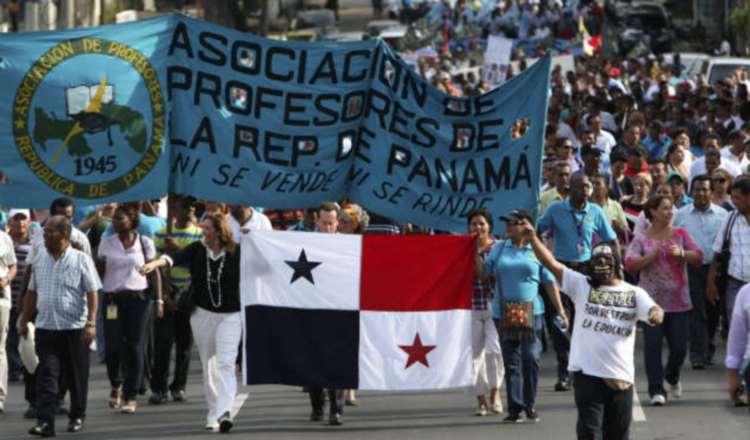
(416, 273)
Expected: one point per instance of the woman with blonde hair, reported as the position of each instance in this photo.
(722, 182)
(633, 204)
(214, 266)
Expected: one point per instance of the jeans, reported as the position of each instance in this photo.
(603, 413)
(522, 369)
(698, 316)
(675, 329)
(15, 366)
(172, 329)
(124, 340)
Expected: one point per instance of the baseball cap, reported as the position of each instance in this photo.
(675, 175)
(516, 216)
(14, 212)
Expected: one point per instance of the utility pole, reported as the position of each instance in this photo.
(264, 18)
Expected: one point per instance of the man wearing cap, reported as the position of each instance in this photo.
(572, 224)
(18, 229)
(677, 182)
(7, 273)
(592, 161)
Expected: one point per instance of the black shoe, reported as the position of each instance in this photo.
(512, 418)
(699, 366)
(43, 429)
(316, 416)
(30, 413)
(178, 395)
(532, 416)
(157, 398)
(75, 425)
(225, 424)
(335, 419)
(562, 385)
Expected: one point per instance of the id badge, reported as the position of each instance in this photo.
(112, 312)
(580, 248)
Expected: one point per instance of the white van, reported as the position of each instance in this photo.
(716, 69)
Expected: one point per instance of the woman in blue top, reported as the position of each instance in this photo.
(519, 313)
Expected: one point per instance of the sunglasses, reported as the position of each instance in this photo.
(720, 179)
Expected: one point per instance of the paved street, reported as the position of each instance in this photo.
(275, 412)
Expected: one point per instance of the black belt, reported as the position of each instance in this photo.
(736, 280)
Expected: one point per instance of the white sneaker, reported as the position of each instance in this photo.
(676, 390)
(658, 400)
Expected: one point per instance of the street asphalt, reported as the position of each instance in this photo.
(279, 412)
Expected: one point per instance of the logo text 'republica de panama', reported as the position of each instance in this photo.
(88, 117)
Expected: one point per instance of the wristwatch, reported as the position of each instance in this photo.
(90, 323)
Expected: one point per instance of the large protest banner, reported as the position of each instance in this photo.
(128, 111)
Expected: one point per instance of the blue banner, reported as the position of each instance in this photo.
(127, 112)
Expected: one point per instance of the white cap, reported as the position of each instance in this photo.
(14, 212)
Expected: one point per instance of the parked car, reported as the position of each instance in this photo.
(644, 22)
(311, 25)
(718, 68)
(375, 27)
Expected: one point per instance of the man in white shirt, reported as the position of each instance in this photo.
(735, 154)
(244, 219)
(603, 342)
(712, 151)
(604, 139)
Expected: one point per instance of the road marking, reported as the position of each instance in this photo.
(638, 414)
(239, 400)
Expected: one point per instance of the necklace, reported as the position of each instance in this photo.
(211, 280)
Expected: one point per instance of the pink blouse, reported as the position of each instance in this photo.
(121, 270)
(666, 278)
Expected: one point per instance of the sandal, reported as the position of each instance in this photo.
(481, 411)
(129, 407)
(115, 398)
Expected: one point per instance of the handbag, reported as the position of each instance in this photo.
(185, 300)
(722, 259)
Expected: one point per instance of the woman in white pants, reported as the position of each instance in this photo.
(217, 327)
(488, 368)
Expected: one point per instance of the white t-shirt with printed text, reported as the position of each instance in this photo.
(603, 340)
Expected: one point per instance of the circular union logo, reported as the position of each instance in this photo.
(88, 118)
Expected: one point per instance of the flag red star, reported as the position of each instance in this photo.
(417, 352)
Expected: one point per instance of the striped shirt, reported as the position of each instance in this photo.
(61, 287)
(481, 290)
(21, 264)
(179, 275)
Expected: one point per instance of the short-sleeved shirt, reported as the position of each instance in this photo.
(738, 343)
(573, 229)
(61, 287)
(179, 275)
(121, 265)
(702, 226)
(603, 339)
(7, 259)
(739, 247)
(517, 274)
(666, 278)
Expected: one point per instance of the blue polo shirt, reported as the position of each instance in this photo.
(571, 228)
(518, 275)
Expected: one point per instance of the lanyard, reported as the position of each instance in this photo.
(578, 223)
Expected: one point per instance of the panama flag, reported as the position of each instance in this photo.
(371, 312)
